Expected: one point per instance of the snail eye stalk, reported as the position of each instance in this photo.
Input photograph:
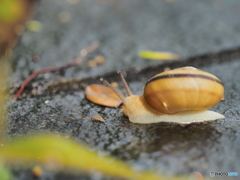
(117, 92)
(129, 92)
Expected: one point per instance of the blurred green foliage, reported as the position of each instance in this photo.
(5, 174)
(55, 152)
(5, 72)
(10, 10)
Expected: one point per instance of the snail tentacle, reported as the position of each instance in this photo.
(117, 92)
(128, 90)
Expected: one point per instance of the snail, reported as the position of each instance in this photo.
(181, 95)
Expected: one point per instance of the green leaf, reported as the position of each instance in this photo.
(55, 152)
(5, 174)
(10, 10)
(158, 55)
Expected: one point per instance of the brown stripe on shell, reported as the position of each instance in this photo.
(165, 91)
(182, 76)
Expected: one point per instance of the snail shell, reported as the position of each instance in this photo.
(183, 89)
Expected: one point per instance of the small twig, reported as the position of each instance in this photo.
(83, 53)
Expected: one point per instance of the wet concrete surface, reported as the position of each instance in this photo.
(164, 148)
(123, 28)
(188, 28)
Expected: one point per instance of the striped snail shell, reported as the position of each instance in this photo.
(183, 89)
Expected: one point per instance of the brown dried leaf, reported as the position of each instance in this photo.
(100, 59)
(102, 95)
(98, 118)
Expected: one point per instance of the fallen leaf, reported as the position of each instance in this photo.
(100, 59)
(114, 84)
(56, 153)
(158, 55)
(102, 95)
(37, 171)
(33, 25)
(97, 118)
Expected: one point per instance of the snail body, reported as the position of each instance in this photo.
(181, 95)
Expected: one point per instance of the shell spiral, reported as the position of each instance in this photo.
(183, 89)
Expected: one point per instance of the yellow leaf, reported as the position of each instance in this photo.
(158, 55)
(33, 25)
(11, 10)
(56, 152)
